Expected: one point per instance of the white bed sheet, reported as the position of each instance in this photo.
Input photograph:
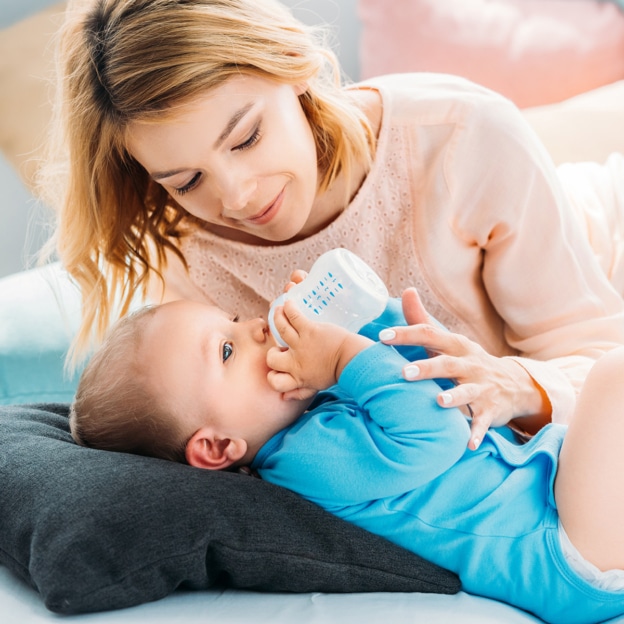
(19, 604)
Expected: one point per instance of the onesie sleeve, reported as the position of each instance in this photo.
(387, 437)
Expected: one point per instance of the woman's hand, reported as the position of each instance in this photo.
(494, 390)
(317, 353)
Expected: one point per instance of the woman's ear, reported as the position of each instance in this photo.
(301, 88)
(206, 449)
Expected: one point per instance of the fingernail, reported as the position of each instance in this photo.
(446, 398)
(387, 334)
(411, 371)
(476, 442)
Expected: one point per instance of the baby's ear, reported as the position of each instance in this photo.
(206, 449)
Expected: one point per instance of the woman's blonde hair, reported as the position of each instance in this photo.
(122, 61)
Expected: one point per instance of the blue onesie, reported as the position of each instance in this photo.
(379, 452)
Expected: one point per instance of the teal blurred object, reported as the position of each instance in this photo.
(39, 315)
(12, 11)
(619, 3)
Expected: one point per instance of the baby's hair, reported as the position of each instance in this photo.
(116, 407)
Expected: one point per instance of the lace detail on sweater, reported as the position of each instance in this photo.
(378, 226)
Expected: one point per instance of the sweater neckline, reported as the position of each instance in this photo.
(341, 220)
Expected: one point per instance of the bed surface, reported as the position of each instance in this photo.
(19, 604)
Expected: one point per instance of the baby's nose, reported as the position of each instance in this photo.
(261, 330)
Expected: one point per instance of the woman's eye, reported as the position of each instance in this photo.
(228, 349)
(189, 186)
(251, 141)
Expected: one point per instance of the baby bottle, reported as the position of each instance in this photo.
(341, 289)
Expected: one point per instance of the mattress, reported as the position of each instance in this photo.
(20, 604)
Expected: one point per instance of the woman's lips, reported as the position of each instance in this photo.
(269, 212)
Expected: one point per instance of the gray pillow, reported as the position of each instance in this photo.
(92, 530)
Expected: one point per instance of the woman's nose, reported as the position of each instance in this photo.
(236, 193)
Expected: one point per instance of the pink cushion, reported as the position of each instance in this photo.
(533, 51)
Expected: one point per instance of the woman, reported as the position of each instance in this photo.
(204, 160)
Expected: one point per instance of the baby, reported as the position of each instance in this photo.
(175, 379)
(333, 419)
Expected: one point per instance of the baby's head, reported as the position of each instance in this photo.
(182, 381)
(117, 407)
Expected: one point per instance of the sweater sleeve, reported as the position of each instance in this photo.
(534, 270)
(561, 312)
(389, 437)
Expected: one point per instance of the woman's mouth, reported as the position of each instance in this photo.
(268, 212)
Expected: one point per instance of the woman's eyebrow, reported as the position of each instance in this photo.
(236, 117)
(231, 124)
(161, 175)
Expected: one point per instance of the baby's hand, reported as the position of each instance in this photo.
(317, 353)
(296, 277)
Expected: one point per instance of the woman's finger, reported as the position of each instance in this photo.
(458, 369)
(463, 397)
(462, 394)
(478, 428)
(431, 337)
(413, 308)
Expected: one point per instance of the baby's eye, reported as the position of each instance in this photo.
(228, 349)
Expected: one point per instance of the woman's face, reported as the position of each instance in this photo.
(242, 158)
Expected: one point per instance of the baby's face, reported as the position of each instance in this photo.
(211, 369)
